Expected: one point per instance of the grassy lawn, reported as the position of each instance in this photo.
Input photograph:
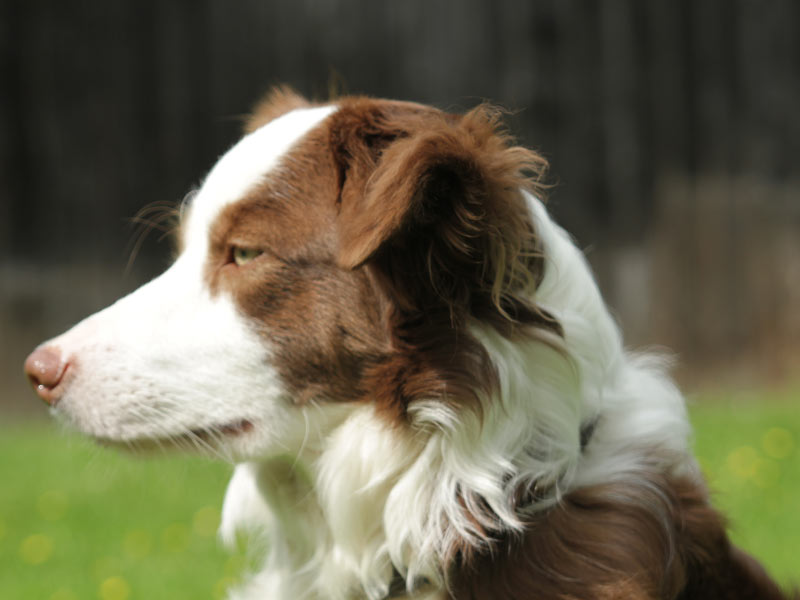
(749, 448)
(78, 522)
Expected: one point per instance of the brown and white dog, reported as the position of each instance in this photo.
(373, 315)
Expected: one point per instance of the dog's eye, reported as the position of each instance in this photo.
(242, 256)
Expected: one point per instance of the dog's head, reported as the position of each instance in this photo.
(339, 254)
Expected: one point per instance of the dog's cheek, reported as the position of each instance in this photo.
(322, 327)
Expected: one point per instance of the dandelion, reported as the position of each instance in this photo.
(778, 443)
(114, 588)
(36, 549)
(743, 462)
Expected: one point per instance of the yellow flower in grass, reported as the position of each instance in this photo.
(36, 549)
(743, 462)
(114, 588)
(778, 443)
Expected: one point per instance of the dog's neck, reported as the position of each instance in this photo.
(372, 500)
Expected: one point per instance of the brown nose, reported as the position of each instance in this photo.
(45, 370)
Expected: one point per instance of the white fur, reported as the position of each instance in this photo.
(339, 499)
(385, 498)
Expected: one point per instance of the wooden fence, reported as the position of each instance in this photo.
(672, 127)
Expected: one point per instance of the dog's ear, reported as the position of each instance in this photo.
(361, 132)
(435, 201)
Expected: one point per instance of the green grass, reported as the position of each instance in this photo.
(79, 522)
(749, 448)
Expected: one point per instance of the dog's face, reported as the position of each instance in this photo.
(185, 358)
(334, 256)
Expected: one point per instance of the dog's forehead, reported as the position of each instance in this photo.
(246, 165)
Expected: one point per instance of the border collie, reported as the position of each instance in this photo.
(374, 317)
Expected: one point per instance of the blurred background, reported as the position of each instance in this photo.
(672, 128)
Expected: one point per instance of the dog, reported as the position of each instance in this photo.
(374, 317)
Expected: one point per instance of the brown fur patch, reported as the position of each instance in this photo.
(649, 538)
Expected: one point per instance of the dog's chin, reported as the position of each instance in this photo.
(211, 440)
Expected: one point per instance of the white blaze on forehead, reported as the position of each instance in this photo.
(244, 166)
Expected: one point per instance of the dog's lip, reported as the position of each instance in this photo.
(207, 434)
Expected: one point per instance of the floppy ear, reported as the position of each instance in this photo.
(438, 196)
(362, 130)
